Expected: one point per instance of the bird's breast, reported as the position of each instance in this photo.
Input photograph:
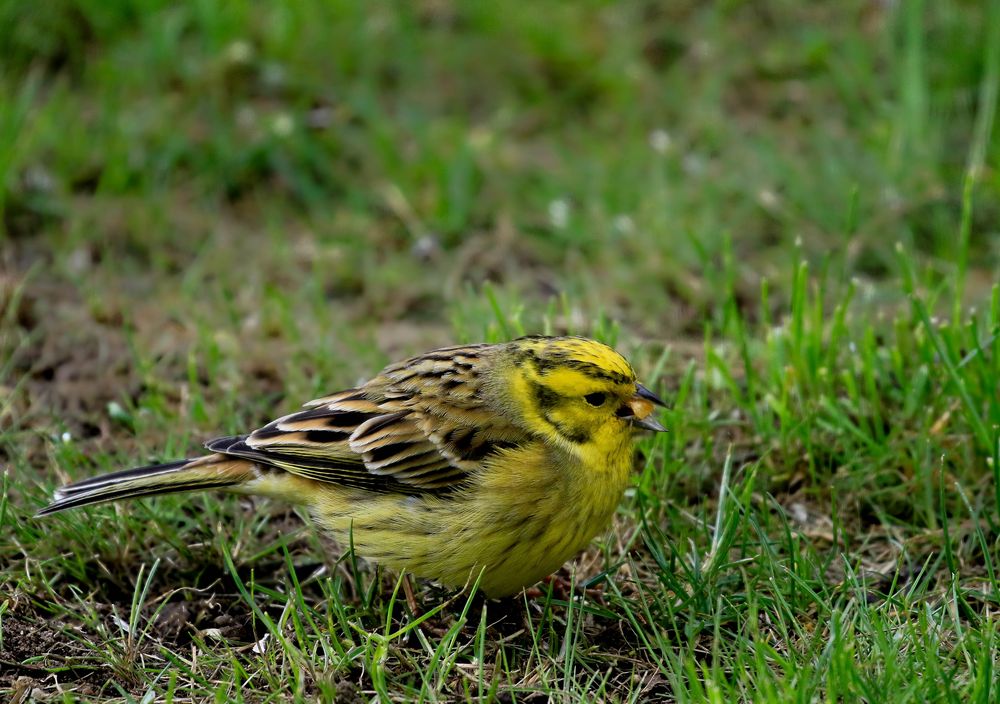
(520, 517)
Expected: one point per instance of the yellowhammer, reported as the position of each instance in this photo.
(505, 458)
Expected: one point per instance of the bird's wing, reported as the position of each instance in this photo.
(314, 443)
(420, 426)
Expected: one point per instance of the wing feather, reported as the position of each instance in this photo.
(419, 426)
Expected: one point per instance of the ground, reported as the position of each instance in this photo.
(785, 214)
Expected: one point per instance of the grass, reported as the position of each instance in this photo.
(783, 213)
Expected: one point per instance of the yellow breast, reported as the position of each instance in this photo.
(523, 515)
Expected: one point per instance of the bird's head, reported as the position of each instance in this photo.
(576, 392)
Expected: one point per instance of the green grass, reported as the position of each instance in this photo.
(784, 213)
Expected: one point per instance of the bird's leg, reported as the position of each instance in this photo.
(411, 600)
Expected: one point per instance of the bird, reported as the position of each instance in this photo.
(493, 461)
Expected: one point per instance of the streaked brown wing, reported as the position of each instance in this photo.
(447, 418)
(419, 426)
(349, 473)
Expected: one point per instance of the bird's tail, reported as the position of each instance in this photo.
(214, 471)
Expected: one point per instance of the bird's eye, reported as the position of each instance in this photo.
(596, 399)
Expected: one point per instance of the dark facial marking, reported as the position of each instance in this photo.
(596, 372)
(553, 357)
(545, 397)
(574, 435)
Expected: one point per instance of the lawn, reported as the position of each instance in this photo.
(786, 214)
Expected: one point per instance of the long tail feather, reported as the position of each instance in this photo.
(209, 472)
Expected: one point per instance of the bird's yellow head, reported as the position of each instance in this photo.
(578, 393)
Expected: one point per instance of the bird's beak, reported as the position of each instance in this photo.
(642, 406)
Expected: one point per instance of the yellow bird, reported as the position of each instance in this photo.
(505, 459)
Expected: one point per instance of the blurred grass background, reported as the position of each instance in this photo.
(785, 213)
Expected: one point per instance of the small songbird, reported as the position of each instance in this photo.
(500, 459)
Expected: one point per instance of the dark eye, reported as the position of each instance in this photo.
(596, 399)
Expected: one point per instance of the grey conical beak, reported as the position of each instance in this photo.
(642, 406)
(642, 392)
